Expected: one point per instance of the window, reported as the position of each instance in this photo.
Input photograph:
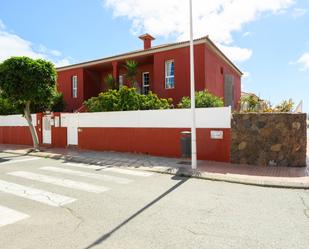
(146, 82)
(74, 86)
(169, 74)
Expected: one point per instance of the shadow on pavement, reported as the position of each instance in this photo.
(9, 158)
(104, 237)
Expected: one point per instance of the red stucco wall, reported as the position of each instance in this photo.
(182, 72)
(15, 135)
(65, 86)
(92, 83)
(215, 77)
(154, 141)
(209, 73)
(20, 134)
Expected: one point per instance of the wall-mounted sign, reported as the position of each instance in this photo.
(216, 134)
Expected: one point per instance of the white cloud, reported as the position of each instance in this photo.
(13, 45)
(218, 19)
(303, 61)
(236, 54)
(299, 12)
(246, 75)
(246, 34)
(2, 26)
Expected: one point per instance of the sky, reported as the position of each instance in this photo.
(267, 39)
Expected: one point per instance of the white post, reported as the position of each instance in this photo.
(192, 87)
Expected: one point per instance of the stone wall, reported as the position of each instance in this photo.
(269, 139)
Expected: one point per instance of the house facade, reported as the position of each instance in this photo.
(164, 70)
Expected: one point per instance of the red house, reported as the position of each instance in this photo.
(162, 69)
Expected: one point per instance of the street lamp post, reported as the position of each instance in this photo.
(192, 87)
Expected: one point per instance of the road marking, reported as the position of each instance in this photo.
(34, 194)
(89, 175)
(110, 169)
(10, 216)
(20, 160)
(60, 181)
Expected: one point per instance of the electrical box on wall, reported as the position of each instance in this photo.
(216, 134)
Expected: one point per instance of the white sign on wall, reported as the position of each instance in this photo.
(216, 134)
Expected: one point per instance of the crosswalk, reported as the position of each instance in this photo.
(58, 175)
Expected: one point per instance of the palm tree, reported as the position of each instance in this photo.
(131, 67)
(110, 82)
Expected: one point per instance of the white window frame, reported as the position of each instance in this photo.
(167, 77)
(74, 86)
(143, 81)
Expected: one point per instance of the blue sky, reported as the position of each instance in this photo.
(268, 40)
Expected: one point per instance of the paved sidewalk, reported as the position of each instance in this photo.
(274, 176)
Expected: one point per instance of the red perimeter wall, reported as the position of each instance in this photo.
(154, 141)
(15, 135)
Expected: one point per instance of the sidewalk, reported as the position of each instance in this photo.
(285, 177)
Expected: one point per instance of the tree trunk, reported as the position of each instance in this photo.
(31, 127)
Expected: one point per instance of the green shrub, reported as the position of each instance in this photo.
(202, 99)
(126, 99)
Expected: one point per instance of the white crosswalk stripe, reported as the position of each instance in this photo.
(38, 195)
(60, 181)
(110, 169)
(20, 160)
(64, 178)
(108, 178)
(10, 216)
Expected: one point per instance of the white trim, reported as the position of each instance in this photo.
(143, 82)
(74, 86)
(169, 76)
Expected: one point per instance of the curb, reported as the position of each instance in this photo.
(261, 181)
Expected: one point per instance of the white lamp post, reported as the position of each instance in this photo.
(192, 87)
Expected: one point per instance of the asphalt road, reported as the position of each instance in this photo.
(47, 203)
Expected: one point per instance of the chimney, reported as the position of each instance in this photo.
(147, 40)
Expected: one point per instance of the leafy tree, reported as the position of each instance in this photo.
(202, 99)
(28, 83)
(7, 108)
(131, 72)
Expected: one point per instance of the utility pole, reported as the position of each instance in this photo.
(192, 87)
